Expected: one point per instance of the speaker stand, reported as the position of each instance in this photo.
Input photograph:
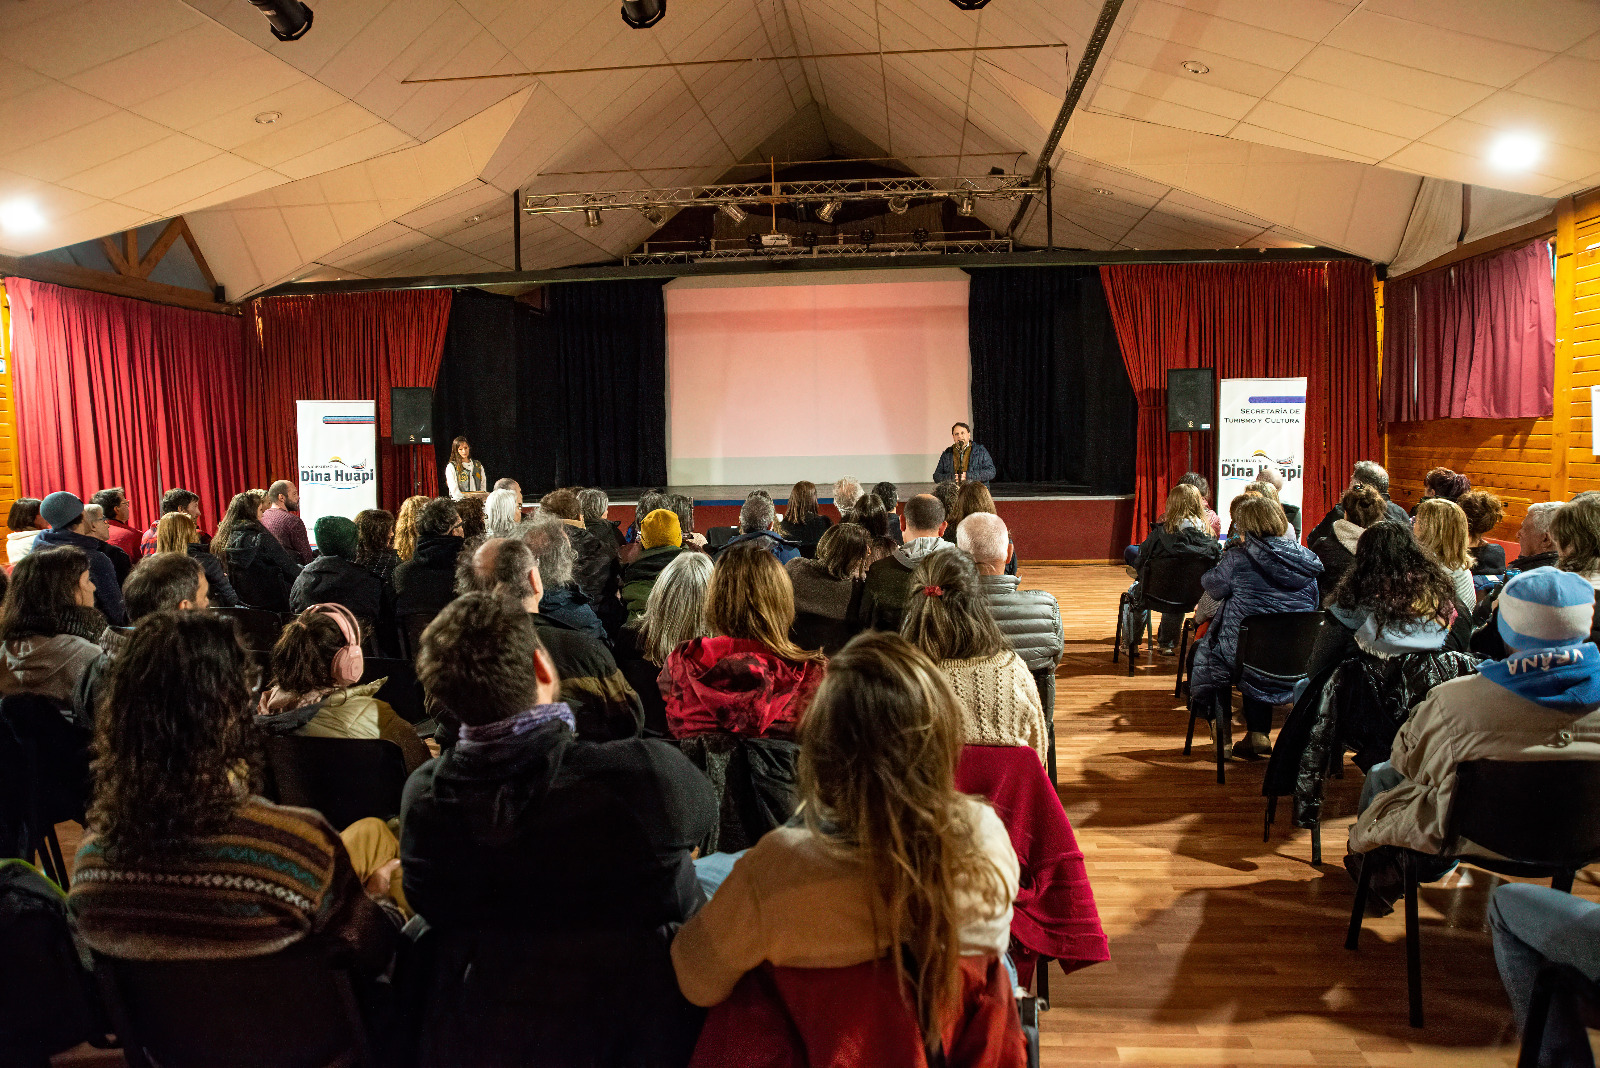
(1188, 440)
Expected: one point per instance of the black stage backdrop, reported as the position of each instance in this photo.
(1050, 395)
(574, 396)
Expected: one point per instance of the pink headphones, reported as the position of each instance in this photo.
(349, 662)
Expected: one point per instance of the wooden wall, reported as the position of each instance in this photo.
(1526, 460)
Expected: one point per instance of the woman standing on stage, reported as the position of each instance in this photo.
(463, 474)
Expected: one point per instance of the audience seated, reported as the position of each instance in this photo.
(889, 494)
(181, 861)
(174, 500)
(1029, 619)
(98, 527)
(1367, 473)
(64, 512)
(604, 704)
(888, 856)
(889, 580)
(674, 614)
(117, 508)
(425, 581)
(683, 505)
(375, 546)
(974, 499)
(947, 617)
(1441, 528)
(803, 524)
(1183, 531)
(474, 522)
(947, 494)
(747, 677)
(550, 539)
(261, 571)
(1271, 483)
(1574, 530)
(828, 589)
(662, 539)
(502, 511)
(1541, 702)
(870, 515)
(1267, 571)
(49, 625)
(405, 526)
(24, 523)
(596, 570)
(1443, 482)
(334, 577)
(282, 518)
(594, 504)
(1535, 547)
(317, 690)
(177, 533)
(1202, 487)
(846, 492)
(649, 501)
(757, 517)
(1484, 511)
(1360, 507)
(1535, 926)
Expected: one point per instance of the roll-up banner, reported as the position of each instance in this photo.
(1260, 422)
(338, 459)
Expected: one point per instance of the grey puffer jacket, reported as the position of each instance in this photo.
(1030, 620)
(1260, 576)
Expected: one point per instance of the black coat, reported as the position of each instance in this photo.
(1188, 542)
(261, 570)
(221, 592)
(1488, 559)
(335, 580)
(1325, 527)
(426, 583)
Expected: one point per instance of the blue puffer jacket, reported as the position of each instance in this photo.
(1263, 575)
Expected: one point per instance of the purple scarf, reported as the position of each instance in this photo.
(516, 726)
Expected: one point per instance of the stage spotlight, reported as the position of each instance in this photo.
(734, 212)
(866, 236)
(753, 240)
(702, 243)
(968, 205)
(643, 14)
(653, 214)
(920, 236)
(829, 210)
(809, 239)
(591, 216)
(899, 205)
(289, 19)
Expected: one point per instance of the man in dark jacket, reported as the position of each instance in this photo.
(64, 512)
(964, 460)
(757, 518)
(888, 585)
(163, 582)
(1366, 473)
(426, 582)
(550, 541)
(334, 578)
(596, 569)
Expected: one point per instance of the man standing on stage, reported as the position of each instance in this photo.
(964, 461)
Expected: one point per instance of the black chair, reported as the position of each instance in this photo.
(402, 691)
(1274, 646)
(717, 537)
(258, 629)
(412, 624)
(44, 779)
(1544, 815)
(345, 779)
(1172, 585)
(1556, 979)
(754, 779)
(290, 1009)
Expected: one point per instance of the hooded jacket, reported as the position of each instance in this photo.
(1262, 575)
(883, 601)
(19, 543)
(335, 580)
(721, 685)
(261, 569)
(107, 590)
(50, 665)
(639, 577)
(568, 605)
(1541, 704)
(426, 583)
(341, 712)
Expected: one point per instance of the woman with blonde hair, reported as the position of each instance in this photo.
(405, 526)
(177, 532)
(1184, 531)
(747, 677)
(674, 613)
(1441, 528)
(891, 862)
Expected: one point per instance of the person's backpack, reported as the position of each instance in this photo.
(47, 997)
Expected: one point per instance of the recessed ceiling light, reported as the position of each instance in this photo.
(473, 220)
(20, 217)
(267, 118)
(1103, 192)
(1194, 66)
(1515, 151)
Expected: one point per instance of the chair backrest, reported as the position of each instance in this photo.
(1174, 582)
(1277, 644)
(717, 537)
(44, 770)
(412, 624)
(285, 1010)
(755, 783)
(402, 692)
(258, 628)
(345, 779)
(1534, 811)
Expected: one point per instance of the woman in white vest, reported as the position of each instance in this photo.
(463, 474)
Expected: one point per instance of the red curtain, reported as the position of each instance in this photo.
(1268, 320)
(1474, 340)
(347, 346)
(118, 392)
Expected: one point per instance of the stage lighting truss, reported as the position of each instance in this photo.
(786, 246)
(825, 196)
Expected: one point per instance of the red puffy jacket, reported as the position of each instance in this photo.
(735, 686)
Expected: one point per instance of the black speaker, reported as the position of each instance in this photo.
(410, 415)
(1191, 399)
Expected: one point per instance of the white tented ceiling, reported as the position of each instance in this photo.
(1314, 123)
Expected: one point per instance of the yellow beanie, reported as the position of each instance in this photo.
(660, 528)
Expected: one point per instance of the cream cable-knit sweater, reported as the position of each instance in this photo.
(999, 701)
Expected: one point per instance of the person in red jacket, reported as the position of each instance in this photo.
(114, 502)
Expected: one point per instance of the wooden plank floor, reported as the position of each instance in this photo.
(1226, 950)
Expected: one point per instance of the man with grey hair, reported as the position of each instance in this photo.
(605, 706)
(1536, 548)
(97, 525)
(757, 518)
(846, 492)
(1366, 473)
(548, 538)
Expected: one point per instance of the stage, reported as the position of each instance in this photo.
(1050, 522)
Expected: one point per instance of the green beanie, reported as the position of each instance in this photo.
(336, 536)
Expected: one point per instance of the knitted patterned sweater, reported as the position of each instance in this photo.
(999, 701)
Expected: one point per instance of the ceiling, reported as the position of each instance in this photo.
(1316, 122)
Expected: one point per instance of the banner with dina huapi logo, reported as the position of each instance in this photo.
(338, 459)
(1261, 422)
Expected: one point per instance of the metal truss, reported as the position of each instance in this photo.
(976, 187)
(854, 248)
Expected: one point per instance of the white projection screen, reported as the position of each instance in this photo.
(776, 378)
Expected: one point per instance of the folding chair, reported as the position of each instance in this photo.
(1172, 585)
(258, 629)
(345, 779)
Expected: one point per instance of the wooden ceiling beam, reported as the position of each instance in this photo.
(114, 253)
(199, 257)
(121, 285)
(169, 236)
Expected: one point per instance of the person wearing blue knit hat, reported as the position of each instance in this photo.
(1541, 702)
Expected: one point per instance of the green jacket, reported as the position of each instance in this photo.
(639, 577)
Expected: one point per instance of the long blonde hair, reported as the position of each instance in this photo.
(1184, 502)
(175, 532)
(751, 597)
(876, 775)
(405, 526)
(1442, 530)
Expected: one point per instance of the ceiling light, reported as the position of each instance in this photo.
(1515, 151)
(643, 14)
(1102, 192)
(289, 19)
(474, 220)
(652, 213)
(267, 118)
(1194, 66)
(899, 205)
(20, 217)
(591, 216)
(733, 211)
(829, 210)
(968, 205)
(969, 5)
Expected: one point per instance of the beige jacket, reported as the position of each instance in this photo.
(353, 712)
(1469, 718)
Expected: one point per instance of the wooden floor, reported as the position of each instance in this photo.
(1224, 949)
